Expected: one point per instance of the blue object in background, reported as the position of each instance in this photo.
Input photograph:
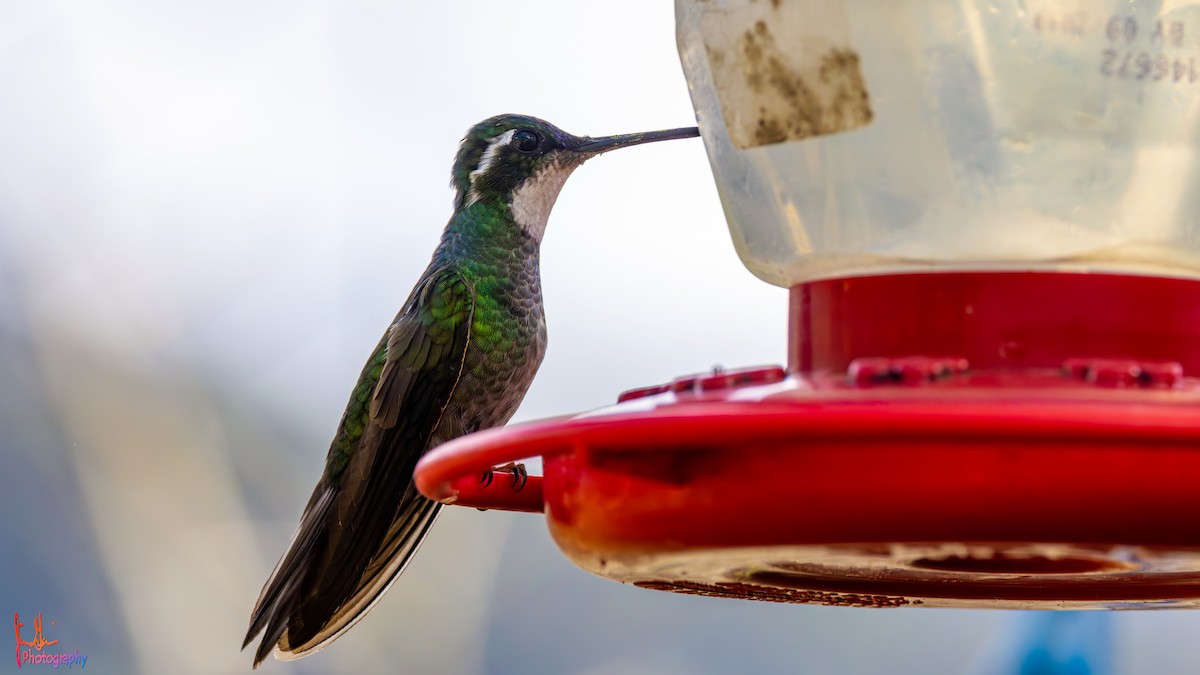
(1051, 643)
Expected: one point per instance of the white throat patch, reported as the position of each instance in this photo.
(534, 198)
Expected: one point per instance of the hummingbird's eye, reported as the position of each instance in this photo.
(526, 141)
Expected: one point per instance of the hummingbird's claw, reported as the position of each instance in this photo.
(520, 475)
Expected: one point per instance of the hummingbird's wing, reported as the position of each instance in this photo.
(365, 518)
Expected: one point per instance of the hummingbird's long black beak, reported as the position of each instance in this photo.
(606, 143)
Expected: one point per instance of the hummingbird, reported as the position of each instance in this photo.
(458, 357)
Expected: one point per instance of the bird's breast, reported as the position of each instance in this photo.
(508, 341)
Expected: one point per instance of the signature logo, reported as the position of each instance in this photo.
(33, 651)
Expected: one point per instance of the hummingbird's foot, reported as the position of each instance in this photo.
(520, 475)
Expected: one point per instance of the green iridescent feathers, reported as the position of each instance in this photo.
(428, 339)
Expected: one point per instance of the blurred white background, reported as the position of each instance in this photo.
(209, 212)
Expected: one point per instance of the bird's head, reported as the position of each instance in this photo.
(523, 162)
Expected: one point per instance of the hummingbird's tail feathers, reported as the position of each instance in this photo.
(404, 537)
(367, 519)
(276, 602)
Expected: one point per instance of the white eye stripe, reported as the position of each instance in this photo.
(490, 154)
(485, 162)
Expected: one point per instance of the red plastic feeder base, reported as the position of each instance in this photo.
(970, 440)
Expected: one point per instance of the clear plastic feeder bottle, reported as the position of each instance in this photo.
(855, 137)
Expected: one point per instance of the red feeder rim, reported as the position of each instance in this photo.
(937, 442)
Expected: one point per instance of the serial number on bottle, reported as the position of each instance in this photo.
(1157, 62)
(1130, 65)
